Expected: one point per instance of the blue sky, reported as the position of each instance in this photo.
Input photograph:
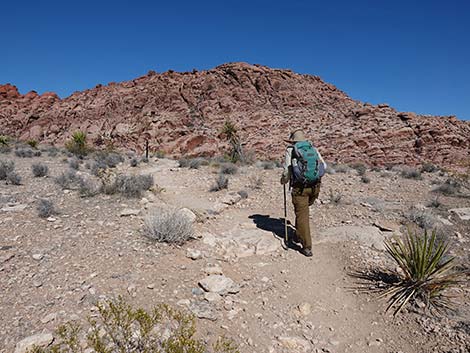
(414, 55)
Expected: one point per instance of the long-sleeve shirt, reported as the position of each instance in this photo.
(286, 174)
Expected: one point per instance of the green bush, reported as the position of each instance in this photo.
(32, 143)
(120, 328)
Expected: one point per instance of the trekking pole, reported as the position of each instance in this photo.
(285, 219)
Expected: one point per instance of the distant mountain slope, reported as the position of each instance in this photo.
(182, 113)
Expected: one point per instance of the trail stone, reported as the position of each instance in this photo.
(129, 212)
(219, 284)
(462, 213)
(40, 340)
(386, 226)
(14, 208)
(296, 344)
(212, 297)
(190, 215)
(193, 254)
(305, 309)
(48, 318)
(37, 257)
(203, 310)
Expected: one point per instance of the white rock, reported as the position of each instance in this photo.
(297, 344)
(219, 284)
(14, 208)
(37, 257)
(212, 297)
(305, 309)
(193, 254)
(129, 212)
(40, 340)
(190, 215)
(183, 302)
(462, 213)
(48, 318)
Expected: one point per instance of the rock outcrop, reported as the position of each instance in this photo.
(183, 113)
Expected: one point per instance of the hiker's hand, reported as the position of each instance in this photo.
(284, 179)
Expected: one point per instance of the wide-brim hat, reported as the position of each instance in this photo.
(296, 136)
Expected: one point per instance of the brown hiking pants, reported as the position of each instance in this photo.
(302, 198)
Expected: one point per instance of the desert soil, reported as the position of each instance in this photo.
(55, 270)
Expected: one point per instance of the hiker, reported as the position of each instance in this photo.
(303, 169)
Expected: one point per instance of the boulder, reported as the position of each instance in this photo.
(40, 340)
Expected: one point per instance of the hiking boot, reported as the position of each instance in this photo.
(306, 252)
(296, 239)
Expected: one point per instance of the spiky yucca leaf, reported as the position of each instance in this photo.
(427, 272)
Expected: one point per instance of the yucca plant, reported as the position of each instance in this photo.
(78, 144)
(4, 140)
(428, 271)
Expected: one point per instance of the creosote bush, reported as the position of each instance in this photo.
(429, 168)
(449, 188)
(74, 163)
(68, 179)
(428, 271)
(32, 143)
(359, 167)
(228, 168)
(6, 167)
(13, 178)
(220, 183)
(127, 185)
(26, 153)
(39, 170)
(121, 328)
(168, 225)
(45, 208)
(335, 197)
(365, 179)
(410, 173)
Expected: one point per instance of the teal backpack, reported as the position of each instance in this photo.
(307, 168)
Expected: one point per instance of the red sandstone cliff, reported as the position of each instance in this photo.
(182, 113)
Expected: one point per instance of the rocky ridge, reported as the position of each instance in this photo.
(183, 113)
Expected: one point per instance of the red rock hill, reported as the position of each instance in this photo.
(183, 113)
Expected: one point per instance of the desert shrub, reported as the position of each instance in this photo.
(134, 162)
(68, 179)
(266, 165)
(88, 187)
(168, 225)
(4, 144)
(183, 163)
(133, 185)
(6, 167)
(427, 272)
(228, 168)
(160, 154)
(423, 218)
(429, 168)
(329, 169)
(32, 143)
(39, 170)
(449, 187)
(220, 183)
(77, 145)
(108, 159)
(4, 140)
(376, 169)
(24, 152)
(435, 203)
(365, 179)
(74, 163)
(52, 151)
(195, 163)
(410, 173)
(13, 178)
(359, 167)
(255, 182)
(341, 168)
(97, 167)
(243, 194)
(45, 208)
(121, 328)
(335, 197)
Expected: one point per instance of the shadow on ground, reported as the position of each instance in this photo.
(276, 226)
